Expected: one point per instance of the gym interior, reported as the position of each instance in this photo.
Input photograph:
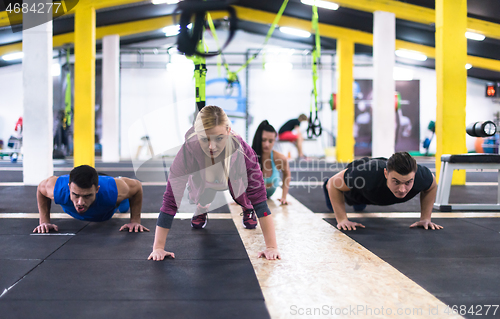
(118, 85)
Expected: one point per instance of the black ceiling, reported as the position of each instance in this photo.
(488, 10)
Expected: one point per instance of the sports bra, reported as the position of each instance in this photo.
(275, 177)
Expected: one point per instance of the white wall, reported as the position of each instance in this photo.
(147, 95)
(478, 107)
(11, 100)
(154, 102)
(275, 96)
(281, 96)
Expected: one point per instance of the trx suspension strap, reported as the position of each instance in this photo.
(67, 96)
(314, 128)
(232, 77)
(200, 73)
(190, 42)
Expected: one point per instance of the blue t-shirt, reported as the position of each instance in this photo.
(101, 209)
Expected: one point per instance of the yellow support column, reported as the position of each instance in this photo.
(84, 129)
(451, 78)
(345, 102)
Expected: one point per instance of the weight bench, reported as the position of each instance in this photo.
(449, 163)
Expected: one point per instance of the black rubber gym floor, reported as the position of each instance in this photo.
(91, 270)
(95, 271)
(458, 264)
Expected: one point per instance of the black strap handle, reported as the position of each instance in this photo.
(314, 129)
(187, 40)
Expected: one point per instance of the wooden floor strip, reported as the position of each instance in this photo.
(325, 274)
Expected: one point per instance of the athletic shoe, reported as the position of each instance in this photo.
(249, 219)
(199, 221)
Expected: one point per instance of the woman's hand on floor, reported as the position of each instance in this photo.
(270, 254)
(283, 201)
(160, 254)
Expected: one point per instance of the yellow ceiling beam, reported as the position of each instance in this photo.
(488, 29)
(97, 4)
(328, 31)
(129, 28)
(101, 4)
(428, 51)
(483, 63)
(417, 14)
(10, 48)
(121, 29)
(402, 10)
(4, 19)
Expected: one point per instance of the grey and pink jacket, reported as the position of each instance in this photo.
(245, 184)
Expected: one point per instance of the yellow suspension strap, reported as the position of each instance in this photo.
(200, 74)
(67, 95)
(191, 42)
(232, 77)
(268, 36)
(314, 128)
(214, 34)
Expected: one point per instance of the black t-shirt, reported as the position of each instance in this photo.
(289, 126)
(365, 177)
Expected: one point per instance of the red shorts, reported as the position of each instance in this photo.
(288, 136)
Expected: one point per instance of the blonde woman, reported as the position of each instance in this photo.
(213, 158)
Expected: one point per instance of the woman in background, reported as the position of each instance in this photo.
(270, 161)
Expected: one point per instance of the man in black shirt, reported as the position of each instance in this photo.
(286, 133)
(378, 181)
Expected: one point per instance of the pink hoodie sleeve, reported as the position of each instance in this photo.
(177, 179)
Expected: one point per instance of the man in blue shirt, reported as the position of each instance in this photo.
(85, 196)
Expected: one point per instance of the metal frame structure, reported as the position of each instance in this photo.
(444, 186)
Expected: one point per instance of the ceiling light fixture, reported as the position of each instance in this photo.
(321, 4)
(13, 56)
(171, 30)
(474, 36)
(411, 55)
(295, 32)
